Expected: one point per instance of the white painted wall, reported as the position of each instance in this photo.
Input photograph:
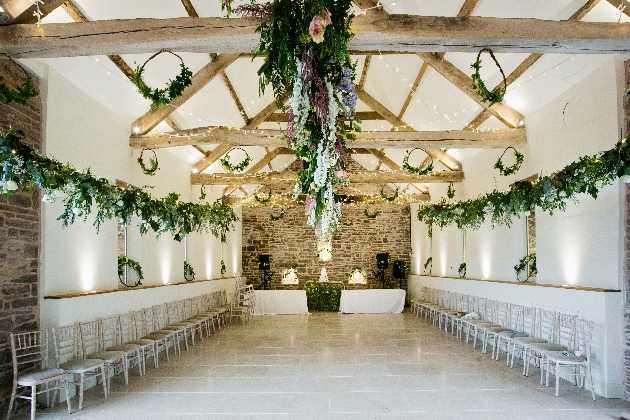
(582, 246)
(604, 309)
(81, 131)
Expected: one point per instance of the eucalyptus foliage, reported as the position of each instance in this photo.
(550, 193)
(81, 192)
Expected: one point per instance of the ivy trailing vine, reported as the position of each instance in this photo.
(240, 167)
(153, 162)
(22, 166)
(19, 95)
(550, 193)
(189, 273)
(510, 169)
(123, 262)
(161, 97)
(390, 198)
(496, 95)
(416, 169)
(528, 262)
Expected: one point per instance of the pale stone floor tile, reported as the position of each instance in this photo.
(328, 366)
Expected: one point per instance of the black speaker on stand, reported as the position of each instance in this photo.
(264, 265)
(382, 262)
(399, 271)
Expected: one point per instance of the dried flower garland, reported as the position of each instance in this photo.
(123, 262)
(19, 95)
(189, 273)
(225, 161)
(307, 60)
(371, 215)
(496, 95)
(390, 198)
(462, 270)
(262, 200)
(80, 190)
(528, 262)
(414, 169)
(160, 97)
(153, 162)
(510, 169)
(279, 217)
(550, 193)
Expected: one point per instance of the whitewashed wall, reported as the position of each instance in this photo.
(81, 131)
(582, 246)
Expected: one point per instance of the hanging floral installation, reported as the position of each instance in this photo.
(307, 61)
(550, 193)
(153, 163)
(494, 96)
(23, 166)
(160, 97)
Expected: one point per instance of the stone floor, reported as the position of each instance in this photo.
(333, 366)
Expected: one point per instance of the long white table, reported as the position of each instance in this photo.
(280, 302)
(372, 301)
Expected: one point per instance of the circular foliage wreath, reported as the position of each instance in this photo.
(225, 161)
(159, 97)
(462, 270)
(123, 262)
(189, 272)
(528, 260)
(371, 215)
(510, 169)
(416, 170)
(391, 198)
(496, 95)
(276, 218)
(263, 200)
(152, 161)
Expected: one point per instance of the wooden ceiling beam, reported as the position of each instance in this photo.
(373, 32)
(413, 90)
(28, 16)
(621, 3)
(211, 157)
(200, 79)
(367, 177)
(287, 200)
(266, 160)
(404, 139)
(467, 8)
(383, 158)
(363, 116)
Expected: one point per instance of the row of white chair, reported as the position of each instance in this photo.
(550, 339)
(93, 349)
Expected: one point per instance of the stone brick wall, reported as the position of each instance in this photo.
(291, 243)
(19, 236)
(626, 259)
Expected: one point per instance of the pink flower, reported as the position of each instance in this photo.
(341, 174)
(318, 26)
(310, 204)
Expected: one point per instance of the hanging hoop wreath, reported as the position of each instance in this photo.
(263, 200)
(160, 97)
(390, 198)
(414, 169)
(371, 215)
(189, 272)
(276, 218)
(510, 169)
(202, 195)
(123, 262)
(153, 161)
(450, 192)
(225, 161)
(496, 95)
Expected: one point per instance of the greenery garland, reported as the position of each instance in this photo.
(496, 95)
(323, 297)
(276, 218)
(415, 169)
(189, 273)
(510, 169)
(450, 192)
(551, 193)
(371, 215)
(263, 200)
(160, 97)
(23, 166)
(225, 161)
(390, 198)
(123, 262)
(19, 95)
(462, 270)
(528, 260)
(429, 264)
(153, 161)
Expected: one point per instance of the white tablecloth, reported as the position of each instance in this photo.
(274, 302)
(372, 301)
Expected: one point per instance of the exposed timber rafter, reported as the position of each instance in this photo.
(287, 200)
(367, 177)
(28, 15)
(363, 116)
(266, 160)
(373, 32)
(368, 139)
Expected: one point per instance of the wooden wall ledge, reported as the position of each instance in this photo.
(516, 283)
(128, 289)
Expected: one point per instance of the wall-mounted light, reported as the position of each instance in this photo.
(357, 276)
(325, 251)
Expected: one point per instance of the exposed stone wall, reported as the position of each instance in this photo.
(626, 259)
(19, 235)
(291, 243)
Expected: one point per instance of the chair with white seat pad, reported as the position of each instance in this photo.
(564, 338)
(544, 330)
(92, 348)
